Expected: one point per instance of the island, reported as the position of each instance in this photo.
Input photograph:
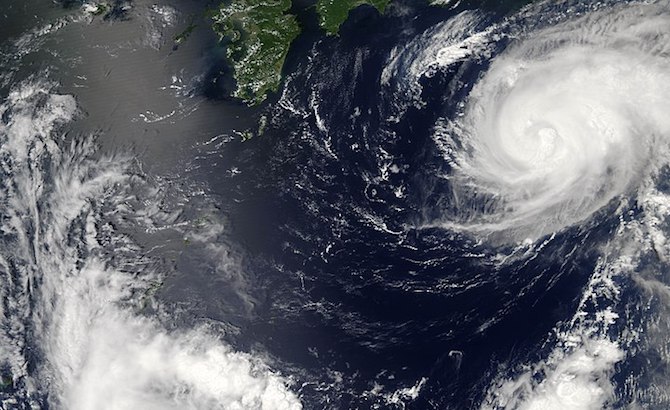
(259, 33)
(332, 13)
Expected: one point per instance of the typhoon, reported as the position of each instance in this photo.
(563, 121)
(444, 205)
(515, 162)
(566, 122)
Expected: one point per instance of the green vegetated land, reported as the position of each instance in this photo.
(332, 13)
(259, 34)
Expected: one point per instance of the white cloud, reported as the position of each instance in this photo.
(98, 351)
(578, 380)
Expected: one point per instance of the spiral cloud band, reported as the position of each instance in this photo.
(564, 120)
(552, 119)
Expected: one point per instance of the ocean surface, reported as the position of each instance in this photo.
(449, 208)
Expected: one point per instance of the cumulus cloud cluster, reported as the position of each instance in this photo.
(97, 350)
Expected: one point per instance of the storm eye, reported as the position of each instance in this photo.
(334, 204)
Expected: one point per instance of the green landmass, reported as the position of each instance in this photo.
(101, 9)
(96, 9)
(332, 13)
(147, 299)
(6, 381)
(258, 34)
(184, 35)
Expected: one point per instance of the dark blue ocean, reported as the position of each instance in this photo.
(313, 246)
